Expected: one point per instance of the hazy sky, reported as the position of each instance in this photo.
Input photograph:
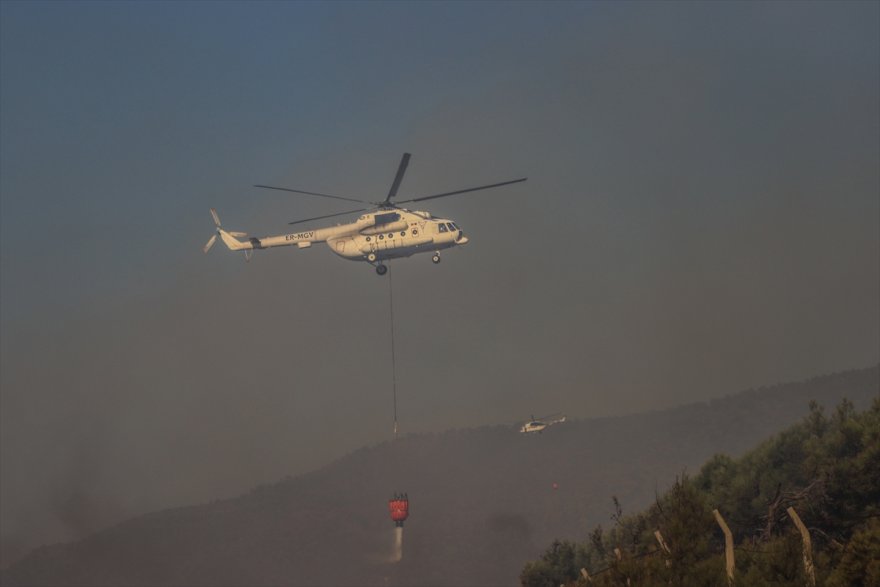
(702, 216)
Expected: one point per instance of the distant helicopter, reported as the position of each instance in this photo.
(386, 231)
(539, 424)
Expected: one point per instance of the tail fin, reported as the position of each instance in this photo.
(233, 243)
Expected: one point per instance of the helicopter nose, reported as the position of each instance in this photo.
(461, 239)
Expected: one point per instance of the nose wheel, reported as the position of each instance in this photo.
(381, 269)
(436, 258)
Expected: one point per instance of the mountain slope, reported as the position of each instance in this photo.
(482, 501)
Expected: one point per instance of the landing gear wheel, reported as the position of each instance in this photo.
(436, 258)
(371, 257)
(381, 269)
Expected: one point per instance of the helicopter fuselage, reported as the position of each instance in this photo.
(373, 237)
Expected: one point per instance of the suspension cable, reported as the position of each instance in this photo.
(393, 359)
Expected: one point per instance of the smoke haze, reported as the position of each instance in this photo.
(701, 217)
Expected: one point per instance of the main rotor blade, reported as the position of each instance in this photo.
(482, 187)
(216, 218)
(401, 169)
(328, 216)
(272, 187)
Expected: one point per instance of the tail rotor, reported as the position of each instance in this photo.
(213, 238)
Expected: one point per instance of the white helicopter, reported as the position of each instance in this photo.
(539, 424)
(385, 231)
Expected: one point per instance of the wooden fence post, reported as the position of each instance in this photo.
(808, 547)
(662, 543)
(659, 538)
(619, 556)
(728, 545)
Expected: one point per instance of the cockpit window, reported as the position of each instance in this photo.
(453, 226)
(443, 227)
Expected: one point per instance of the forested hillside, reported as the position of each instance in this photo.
(482, 501)
(826, 468)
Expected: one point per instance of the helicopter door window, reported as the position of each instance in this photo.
(443, 228)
